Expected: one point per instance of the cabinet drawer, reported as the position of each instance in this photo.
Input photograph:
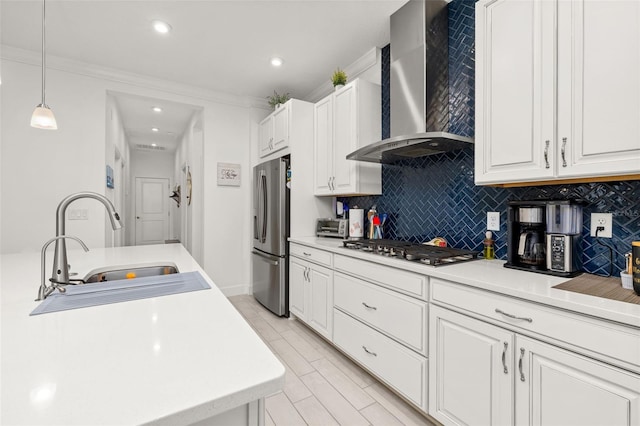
(398, 366)
(311, 254)
(611, 342)
(400, 317)
(397, 279)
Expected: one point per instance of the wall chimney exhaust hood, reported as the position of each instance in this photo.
(419, 87)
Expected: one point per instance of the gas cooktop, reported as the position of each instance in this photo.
(427, 254)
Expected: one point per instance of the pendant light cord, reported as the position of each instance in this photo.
(43, 47)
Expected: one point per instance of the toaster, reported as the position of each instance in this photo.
(338, 228)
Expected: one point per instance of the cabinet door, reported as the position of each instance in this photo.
(297, 287)
(323, 145)
(281, 127)
(320, 314)
(558, 387)
(266, 136)
(345, 139)
(599, 87)
(515, 94)
(470, 370)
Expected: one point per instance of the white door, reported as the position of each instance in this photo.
(515, 92)
(323, 140)
(598, 87)
(470, 370)
(297, 283)
(558, 387)
(321, 300)
(345, 139)
(152, 210)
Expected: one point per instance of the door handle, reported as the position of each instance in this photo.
(373, 308)
(504, 358)
(564, 146)
(264, 209)
(368, 351)
(546, 154)
(137, 217)
(266, 258)
(498, 311)
(520, 364)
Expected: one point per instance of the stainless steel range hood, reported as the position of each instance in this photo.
(419, 87)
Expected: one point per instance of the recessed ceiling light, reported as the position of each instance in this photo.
(161, 27)
(154, 145)
(154, 129)
(156, 109)
(276, 62)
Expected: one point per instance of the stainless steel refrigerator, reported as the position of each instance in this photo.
(270, 254)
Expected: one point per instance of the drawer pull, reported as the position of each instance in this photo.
(498, 311)
(520, 364)
(369, 307)
(368, 351)
(504, 358)
(306, 254)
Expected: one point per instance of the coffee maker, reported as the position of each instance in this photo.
(545, 236)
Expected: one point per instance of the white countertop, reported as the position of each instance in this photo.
(172, 360)
(491, 275)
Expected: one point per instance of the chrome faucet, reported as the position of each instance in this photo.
(44, 289)
(60, 274)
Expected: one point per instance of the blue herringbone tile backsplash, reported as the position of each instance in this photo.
(436, 196)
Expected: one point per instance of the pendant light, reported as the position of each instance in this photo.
(42, 117)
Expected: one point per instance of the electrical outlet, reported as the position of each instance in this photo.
(77, 214)
(493, 221)
(604, 220)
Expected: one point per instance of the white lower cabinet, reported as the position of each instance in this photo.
(558, 387)
(480, 373)
(399, 367)
(311, 295)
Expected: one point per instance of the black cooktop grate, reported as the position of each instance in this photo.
(427, 254)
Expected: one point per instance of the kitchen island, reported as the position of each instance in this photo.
(178, 359)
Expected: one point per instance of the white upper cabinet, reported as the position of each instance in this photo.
(346, 120)
(557, 90)
(598, 88)
(274, 130)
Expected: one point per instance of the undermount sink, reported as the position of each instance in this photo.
(123, 272)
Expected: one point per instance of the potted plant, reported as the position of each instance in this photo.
(276, 100)
(339, 78)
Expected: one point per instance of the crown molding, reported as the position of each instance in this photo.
(359, 66)
(72, 66)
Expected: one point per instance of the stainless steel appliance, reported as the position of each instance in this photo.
(270, 255)
(545, 236)
(419, 83)
(564, 237)
(338, 228)
(426, 254)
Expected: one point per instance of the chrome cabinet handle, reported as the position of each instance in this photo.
(306, 254)
(498, 311)
(564, 145)
(520, 364)
(546, 154)
(368, 351)
(306, 274)
(504, 357)
(369, 307)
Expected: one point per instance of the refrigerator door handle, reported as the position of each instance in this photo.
(264, 208)
(267, 258)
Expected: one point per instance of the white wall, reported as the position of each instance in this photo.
(39, 168)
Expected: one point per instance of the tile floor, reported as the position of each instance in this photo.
(322, 386)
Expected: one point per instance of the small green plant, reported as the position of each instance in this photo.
(276, 99)
(339, 77)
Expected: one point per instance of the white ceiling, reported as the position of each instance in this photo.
(224, 46)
